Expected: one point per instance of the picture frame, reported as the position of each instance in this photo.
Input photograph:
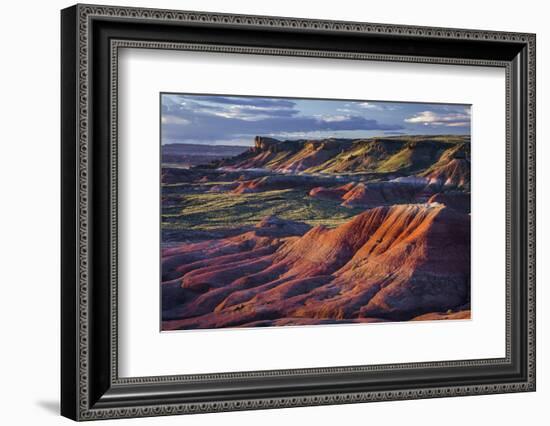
(91, 37)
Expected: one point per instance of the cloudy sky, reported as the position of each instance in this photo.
(235, 120)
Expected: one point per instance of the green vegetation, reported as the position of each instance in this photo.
(410, 154)
(200, 199)
(414, 157)
(214, 210)
(279, 157)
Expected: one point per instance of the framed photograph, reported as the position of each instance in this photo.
(263, 212)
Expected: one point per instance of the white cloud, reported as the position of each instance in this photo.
(430, 118)
(173, 119)
(379, 106)
(313, 134)
(245, 112)
(459, 124)
(231, 114)
(368, 105)
(333, 118)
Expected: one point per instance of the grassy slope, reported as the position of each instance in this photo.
(416, 156)
(210, 211)
(404, 155)
(202, 210)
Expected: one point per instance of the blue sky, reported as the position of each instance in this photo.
(235, 120)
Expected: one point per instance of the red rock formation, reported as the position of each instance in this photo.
(287, 156)
(248, 186)
(406, 155)
(274, 182)
(452, 169)
(334, 194)
(364, 196)
(437, 316)
(455, 173)
(388, 263)
(369, 195)
(313, 154)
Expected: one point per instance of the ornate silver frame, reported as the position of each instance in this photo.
(111, 396)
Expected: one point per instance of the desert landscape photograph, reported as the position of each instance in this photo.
(301, 212)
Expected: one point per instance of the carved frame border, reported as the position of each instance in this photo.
(87, 12)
